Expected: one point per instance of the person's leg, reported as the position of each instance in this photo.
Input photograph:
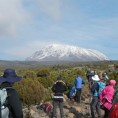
(106, 113)
(93, 107)
(54, 109)
(61, 109)
(98, 109)
(78, 95)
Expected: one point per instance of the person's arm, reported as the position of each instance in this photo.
(75, 82)
(83, 81)
(65, 87)
(15, 104)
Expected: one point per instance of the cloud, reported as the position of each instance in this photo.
(51, 8)
(26, 50)
(12, 15)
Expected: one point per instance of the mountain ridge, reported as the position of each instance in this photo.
(66, 53)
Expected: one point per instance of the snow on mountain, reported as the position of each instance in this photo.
(58, 52)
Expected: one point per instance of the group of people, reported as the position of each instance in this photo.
(60, 87)
(102, 93)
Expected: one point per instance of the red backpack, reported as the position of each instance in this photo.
(114, 111)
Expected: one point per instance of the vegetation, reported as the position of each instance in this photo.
(37, 81)
(30, 91)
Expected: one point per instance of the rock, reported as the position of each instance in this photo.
(70, 115)
(71, 110)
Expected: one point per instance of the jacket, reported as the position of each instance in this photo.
(78, 82)
(97, 87)
(13, 100)
(106, 96)
(59, 88)
(94, 89)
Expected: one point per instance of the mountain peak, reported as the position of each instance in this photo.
(61, 52)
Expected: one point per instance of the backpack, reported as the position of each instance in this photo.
(4, 112)
(101, 86)
(72, 92)
(46, 107)
(97, 87)
(114, 111)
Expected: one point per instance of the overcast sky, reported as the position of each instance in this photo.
(28, 25)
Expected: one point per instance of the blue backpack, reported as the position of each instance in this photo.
(72, 91)
(97, 87)
(101, 86)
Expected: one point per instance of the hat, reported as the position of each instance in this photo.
(10, 76)
(112, 82)
(95, 78)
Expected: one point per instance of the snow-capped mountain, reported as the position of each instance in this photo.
(58, 52)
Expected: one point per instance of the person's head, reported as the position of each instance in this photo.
(59, 78)
(112, 82)
(102, 80)
(104, 74)
(95, 73)
(9, 76)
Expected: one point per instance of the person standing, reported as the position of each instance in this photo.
(7, 80)
(96, 89)
(106, 97)
(78, 85)
(58, 88)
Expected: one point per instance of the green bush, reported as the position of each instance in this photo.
(30, 91)
(113, 75)
(46, 82)
(43, 72)
(30, 74)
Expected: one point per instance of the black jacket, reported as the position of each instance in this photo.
(59, 88)
(13, 100)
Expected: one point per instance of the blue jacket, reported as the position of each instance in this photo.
(78, 82)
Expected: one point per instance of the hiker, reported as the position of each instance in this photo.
(89, 74)
(114, 109)
(115, 98)
(13, 102)
(105, 77)
(100, 74)
(58, 88)
(106, 97)
(96, 88)
(78, 85)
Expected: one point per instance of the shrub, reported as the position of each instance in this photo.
(46, 82)
(44, 72)
(30, 74)
(30, 91)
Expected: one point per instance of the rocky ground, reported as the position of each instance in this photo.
(71, 109)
